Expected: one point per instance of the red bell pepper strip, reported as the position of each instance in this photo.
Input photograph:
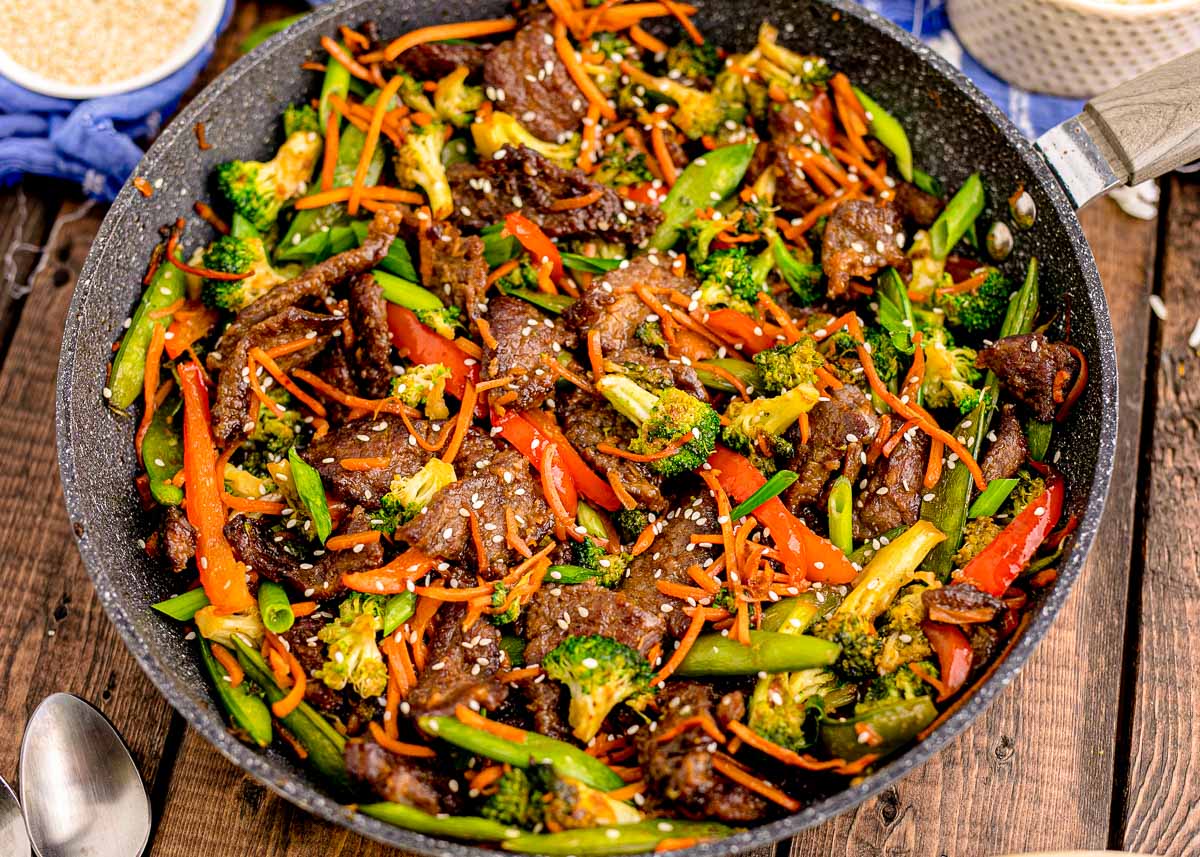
(995, 567)
(589, 483)
(646, 193)
(523, 435)
(797, 546)
(191, 323)
(954, 656)
(221, 575)
(755, 336)
(422, 345)
(534, 240)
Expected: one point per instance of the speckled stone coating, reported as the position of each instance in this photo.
(954, 131)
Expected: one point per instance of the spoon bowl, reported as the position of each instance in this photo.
(13, 838)
(80, 788)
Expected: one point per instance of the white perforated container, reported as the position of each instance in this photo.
(1074, 47)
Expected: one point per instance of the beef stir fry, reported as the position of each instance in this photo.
(584, 443)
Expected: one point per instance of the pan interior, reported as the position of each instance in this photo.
(954, 132)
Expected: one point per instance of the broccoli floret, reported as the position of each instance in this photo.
(569, 804)
(787, 366)
(928, 273)
(706, 228)
(237, 256)
(796, 74)
(731, 278)
(903, 639)
(663, 420)
(725, 599)
(352, 653)
(1029, 488)
(516, 801)
(622, 165)
(693, 62)
(651, 333)
(786, 708)
(220, 627)
(272, 437)
(524, 276)
(611, 568)
(614, 49)
(500, 129)
(586, 554)
(258, 190)
(629, 523)
(300, 118)
(446, 321)
(599, 672)
(859, 641)
(979, 311)
(737, 88)
(455, 100)
(697, 113)
(412, 93)
(407, 496)
(977, 535)
(418, 163)
(424, 386)
(499, 596)
(761, 423)
(897, 686)
(950, 373)
(884, 355)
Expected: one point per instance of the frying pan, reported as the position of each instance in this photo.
(955, 131)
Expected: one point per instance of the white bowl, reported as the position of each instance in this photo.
(208, 16)
(1077, 48)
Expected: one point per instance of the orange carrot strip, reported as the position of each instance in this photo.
(357, 465)
(512, 537)
(283, 707)
(731, 769)
(485, 777)
(343, 56)
(350, 540)
(662, 154)
(591, 135)
(441, 32)
(445, 593)
(519, 675)
(368, 152)
(478, 721)
(618, 487)
(375, 192)
(226, 659)
(595, 354)
(329, 161)
(301, 609)
(387, 406)
(158, 339)
(644, 540)
(245, 504)
(393, 578)
(685, 645)
(263, 359)
(644, 40)
(680, 590)
(503, 271)
(464, 421)
(566, 53)
(400, 748)
(576, 202)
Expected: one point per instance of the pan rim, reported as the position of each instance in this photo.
(207, 721)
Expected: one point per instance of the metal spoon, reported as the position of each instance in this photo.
(13, 838)
(79, 786)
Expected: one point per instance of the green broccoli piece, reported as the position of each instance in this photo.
(1029, 488)
(272, 436)
(221, 627)
(352, 653)
(501, 129)
(692, 62)
(407, 496)
(300, 119)
(524, 276)
(499, 596)
(762, 423)
(787, 366)
(896, 686)
(732, 278)
(903, 639)
(735, 88)
(885, 356)
(701, 232)
(586, 554)
(787, 708)
(698, 113)
(569, 804)
(424, 386)
(412, 93)
(622, 165)
(651, 333)
(258, 190)
(928, 273)
(725, 599)
(979, 311)
(664, 419)
(517, 802)
(950, 373)
(418, 163)
(977, 535)
(232, 255)
(798, 75)
(446, 321)
(629, 523)
(599, 672)
(615, 49)
(454, 100)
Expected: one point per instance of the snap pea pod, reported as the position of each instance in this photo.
(957, 217)
(452, 826)
(246, 710)
(703, 183)
(274, 607)
(312, 494)
(398, 610)
(399, 261)
(841, 515)
(769, 651)
(566, 759)
(336, 82)
(895, 725)
(162, 453)
(619, 839)
(129, 366)
(325, 745)
(405, 293)
(952, 495)
(887, 129)
(743, 370)
(589, 264)
(183, 607)
(794, 615)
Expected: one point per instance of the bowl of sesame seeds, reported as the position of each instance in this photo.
(83, 49)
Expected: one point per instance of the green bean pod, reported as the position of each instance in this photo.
(704, 182)
(566, 759)
(794, 615)
(887, 129)
(162, 454)
(398, 610)
(312, 494)
(183, 607)
(452, 826)
(274, 607)
(618, 839)
(896, 724)
(956, 218)
(129, 366)
(772, 652)
(247, 711)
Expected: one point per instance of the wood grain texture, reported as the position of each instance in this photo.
(1035, 772)
(1163, 803)
(26, 213)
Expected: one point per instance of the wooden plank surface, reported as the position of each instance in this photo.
(1034, 772)
(1162, 806)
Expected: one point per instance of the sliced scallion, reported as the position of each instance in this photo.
(773, 487)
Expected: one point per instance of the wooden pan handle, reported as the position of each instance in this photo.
(1151, 124)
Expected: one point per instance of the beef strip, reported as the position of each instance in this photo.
(461, 666)
(385, 437)
(453, 266)
(892, 497)
(434, 60)
(177, 539)
(333, 367)
(302, 642)
(860, 238)
(231, 411)
(1008, 451)
(961, 604)
(492, 480)
(789, 125)
(525, 339)
(587, 609)
(531, 82)
(915, 205)
(315, 284)
(670, 556)
(679, 771)
(400, 779)
(1032, 368)
(588, 420)
(521, 179)
(370, 345)
(840, 428)
(544, 701)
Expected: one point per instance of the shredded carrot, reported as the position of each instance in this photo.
(485, 777)
(618, 487)
(566, 374)
(245, 504)
(676, 843)
(591, 135)
(301, 609)
(226, 659)
(354, 39)
(644, 40)
(873, 178)
(143, 187)
(628, 792)
(341, 55)
(481, 557)
(626, 15)
(351, 540)
(968, 285)
(731, 769)
(493, 384)
(329, 161)
(206, 213)
(666, 452)
(478, 721)
(201, 140)
(706, 581)
(392, 578)
(442, 32)
(465, 413)
(782, 754)
(368, 152)
(445, 593)
(389, 406)
(485, 334)
(821, 210)
(550, 490)
(519, 675)
(263, 359)
(427, 445)
(503, 271)
(154, 350)
(790, 330)
(680, 590)
(916, 372)
(704, 721)
(662, 154)
(804, 156)
(933, 470)
(722, 372)
(595, 354)
(644, 540)
(342, 194)
(684, 21)
(805, 429)
(400, 748)
(699, 615)
(576, 202)
(725, 516)
(283, 707)
(891, 443)
(570, 59)
(512, 536)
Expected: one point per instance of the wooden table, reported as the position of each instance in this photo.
(1093, 746)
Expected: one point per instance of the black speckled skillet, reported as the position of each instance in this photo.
(954, 129)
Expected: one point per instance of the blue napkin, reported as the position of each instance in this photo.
(926, 19)
(92, 143)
